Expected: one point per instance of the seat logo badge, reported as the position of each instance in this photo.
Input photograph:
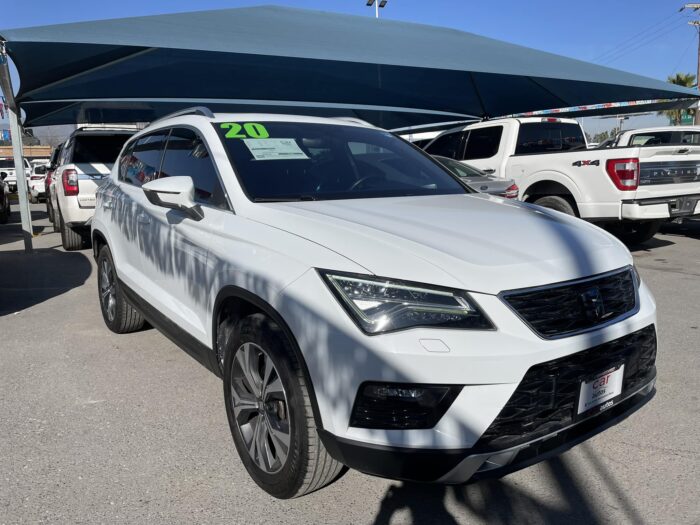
(592, 300)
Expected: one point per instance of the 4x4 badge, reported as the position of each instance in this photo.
(580, 163)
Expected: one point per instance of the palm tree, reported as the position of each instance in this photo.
(680, 79)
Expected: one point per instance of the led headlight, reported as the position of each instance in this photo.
(381, 305)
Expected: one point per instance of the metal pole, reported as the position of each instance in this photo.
(16, 137)
(376, 9)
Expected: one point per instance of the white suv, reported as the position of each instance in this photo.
(7, 166)
(363, 307)
(86, 159)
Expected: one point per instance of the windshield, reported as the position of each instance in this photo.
(459, 168)
(281, 161)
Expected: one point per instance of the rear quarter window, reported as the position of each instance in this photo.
(549, 137)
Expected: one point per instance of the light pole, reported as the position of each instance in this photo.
(377, 5)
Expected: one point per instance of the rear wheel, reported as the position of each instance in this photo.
(49, 212)
(635, 232)
(70, 238)
(119, 314)
(269, 412)
(33, 199)
(554, 202)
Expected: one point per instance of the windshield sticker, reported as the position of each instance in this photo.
(249, 130)
(274, 149)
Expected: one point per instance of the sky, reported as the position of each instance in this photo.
(646, 37)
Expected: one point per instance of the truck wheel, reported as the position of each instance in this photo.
(119, 314)
(71, 239)
(33, 199)
(269, 412)
(554, 202)
(636, 232)
(5, 213)
(56, 219)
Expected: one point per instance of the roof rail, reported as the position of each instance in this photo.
(195, 110)
(354, 120)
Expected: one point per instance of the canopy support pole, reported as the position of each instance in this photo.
(16, 138)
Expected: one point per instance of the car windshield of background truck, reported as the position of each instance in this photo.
(283, 161)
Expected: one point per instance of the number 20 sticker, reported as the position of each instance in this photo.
(249, 130)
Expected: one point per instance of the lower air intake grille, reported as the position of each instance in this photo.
(546, 399)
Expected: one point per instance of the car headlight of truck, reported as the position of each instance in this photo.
(380, 305)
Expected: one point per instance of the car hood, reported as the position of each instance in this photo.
(476, 242)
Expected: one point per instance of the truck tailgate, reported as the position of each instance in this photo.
(668, 171)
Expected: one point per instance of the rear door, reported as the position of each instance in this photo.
(483, 145)
(124, 206)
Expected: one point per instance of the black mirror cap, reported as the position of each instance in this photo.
(194, 213)
(3, 175)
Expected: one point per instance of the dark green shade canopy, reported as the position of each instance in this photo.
(274, 59)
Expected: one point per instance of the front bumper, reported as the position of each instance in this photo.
(655, 208)
(455, 466)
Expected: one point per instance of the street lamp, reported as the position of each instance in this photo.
(377, 6)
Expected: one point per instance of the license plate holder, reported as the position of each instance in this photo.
(601, 391)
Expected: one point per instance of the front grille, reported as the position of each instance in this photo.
(567, 308)
(677, 172)
(546, 400)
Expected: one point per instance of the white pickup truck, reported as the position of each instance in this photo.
(632, 190)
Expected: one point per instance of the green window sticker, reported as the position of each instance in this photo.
(249, 130)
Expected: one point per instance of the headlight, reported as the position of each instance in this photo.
(381, 305)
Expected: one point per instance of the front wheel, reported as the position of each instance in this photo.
(269, 412)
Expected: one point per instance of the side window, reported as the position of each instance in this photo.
(187, 155)
(66, 153)
(141, 160)
(652, 139)
(448, 145)
(690, 137)
(483, 143)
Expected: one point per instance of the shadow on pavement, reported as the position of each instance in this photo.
(503, 502)
(12, 231)
(688, 228)
(27, 280)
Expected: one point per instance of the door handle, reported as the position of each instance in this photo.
(143, 218)
(684, 150)
(489, 171)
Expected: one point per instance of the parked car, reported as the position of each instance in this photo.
(617, 188)
(662, 135)
(478, 180)
(86, 160)
(7, 166)
(36, 182)
(4, 199)
(364, 308)
(50, 187)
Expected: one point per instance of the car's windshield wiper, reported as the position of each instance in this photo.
(285, 199)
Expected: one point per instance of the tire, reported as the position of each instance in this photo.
(5, 213)
(56, 220)
(632, 233)
(49, 212)
(33, 199)
(554, 202)
(71, 239)
(120, 316)
(283, 411)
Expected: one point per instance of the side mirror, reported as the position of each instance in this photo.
(176, 193)
(3, 175)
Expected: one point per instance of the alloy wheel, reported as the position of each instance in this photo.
(260, 407)
(108, 294)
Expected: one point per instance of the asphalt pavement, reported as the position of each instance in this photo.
(101, 428)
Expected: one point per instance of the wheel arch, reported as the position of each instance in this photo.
(239, 302)
(98, 241)
(552, 186)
